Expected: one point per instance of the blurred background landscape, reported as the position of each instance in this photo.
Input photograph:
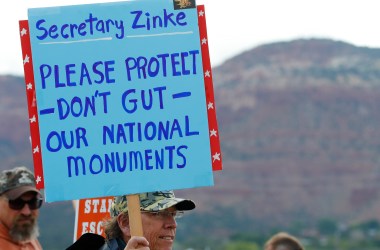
(299, 127)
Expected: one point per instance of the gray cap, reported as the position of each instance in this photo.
(17, 181)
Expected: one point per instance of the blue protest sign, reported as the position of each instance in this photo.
(121, 99)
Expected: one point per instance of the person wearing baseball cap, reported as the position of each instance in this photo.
(159, 211)
(19, 204)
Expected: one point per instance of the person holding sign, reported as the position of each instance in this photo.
(19, 204)
(159, 211)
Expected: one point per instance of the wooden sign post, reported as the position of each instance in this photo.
(134, 212)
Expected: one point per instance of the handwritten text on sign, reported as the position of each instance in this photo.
(121, 99)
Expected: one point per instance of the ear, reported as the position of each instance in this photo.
(123, 221)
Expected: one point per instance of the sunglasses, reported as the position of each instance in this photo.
(19, 203)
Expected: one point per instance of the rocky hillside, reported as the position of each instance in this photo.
(299, 125)
(15, 147)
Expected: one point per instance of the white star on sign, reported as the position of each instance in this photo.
(201, 13)
(213, 133)
(29, 86)
(26, 60)
(23, 32)
(207, 73)
(204, 41)
(38, 179)
(216, 157)
(210, 105)
(36, 150)
(33, 119)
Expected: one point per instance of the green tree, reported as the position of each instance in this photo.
(240, 245)
(327, 227)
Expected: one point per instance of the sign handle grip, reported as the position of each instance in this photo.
(134, 212)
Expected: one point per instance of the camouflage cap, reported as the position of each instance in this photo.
(17, 181)
(152, 201)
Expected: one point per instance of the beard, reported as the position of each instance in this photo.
(24, 228)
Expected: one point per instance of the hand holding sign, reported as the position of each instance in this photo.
(147, 87)
(137, 243)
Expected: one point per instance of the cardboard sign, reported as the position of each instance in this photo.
(120, 99)
(90, 215)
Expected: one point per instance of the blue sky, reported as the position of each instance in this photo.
(234, 26)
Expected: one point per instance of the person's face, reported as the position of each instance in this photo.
(159, 230)
(22, 223)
